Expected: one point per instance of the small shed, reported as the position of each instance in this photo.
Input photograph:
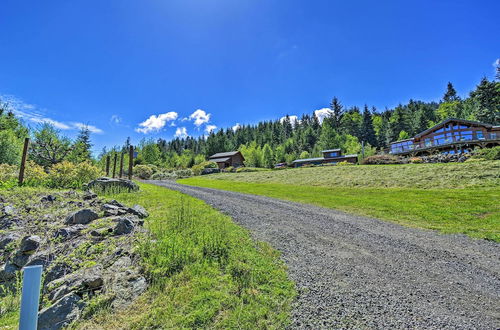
(226, 159)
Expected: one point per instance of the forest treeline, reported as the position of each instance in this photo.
(270, 142)
(265, 143)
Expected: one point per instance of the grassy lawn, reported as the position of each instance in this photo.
(451, 198)
(206, 271)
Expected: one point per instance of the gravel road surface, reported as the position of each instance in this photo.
(358, 272)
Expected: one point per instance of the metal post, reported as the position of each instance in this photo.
(107, 165)
(130, 162)
(32, 279)
(121, 164)
(23, 160)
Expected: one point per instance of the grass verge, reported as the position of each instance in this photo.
(205, 271)
(474, 211)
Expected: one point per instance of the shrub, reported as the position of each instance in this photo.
(69, 175)
(198, 169)
(488, 153)
(35, 175)
(163, 176)
(8, 174)
(229, 169)
(143, 171)
(416, 160)
(382, 160)
(344, 163)
(183, 173)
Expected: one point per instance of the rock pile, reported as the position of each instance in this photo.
(84, 245)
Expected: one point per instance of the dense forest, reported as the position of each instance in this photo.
(284, 140)
(265, 143)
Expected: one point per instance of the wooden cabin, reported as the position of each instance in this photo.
(330, 156)
(226, 159)
(449, 137)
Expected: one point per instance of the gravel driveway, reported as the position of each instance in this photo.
(358, 272)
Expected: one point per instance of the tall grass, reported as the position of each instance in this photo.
(204, 271)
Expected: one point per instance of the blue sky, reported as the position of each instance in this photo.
(154, 68)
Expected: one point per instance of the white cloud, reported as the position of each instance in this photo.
(181, 132)
(236, 127)
(293, 119)
(32, 113)
(323, 113)
(116, 119)
(91, 128)
(200, 117)
(156, 122)
(210, 128)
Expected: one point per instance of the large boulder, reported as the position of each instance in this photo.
(110, 185)
(8, 272)
(83, 217)
(61, 313)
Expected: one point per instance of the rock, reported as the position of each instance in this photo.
(62, 313)
(109, 184)
(115, 203)
(89, 195)
(112, 210)
(8, 272)
(9, 210)
(125, 282)
(210, 171)
(69, 232)
(101, 232)
(43, 259)
(7, 239)
(81, 217)
(20, 259)
(56, 271)
(93, 282)
(124, 226)
(139, 211)
(29, 244)
(48, 198)
(58, 293)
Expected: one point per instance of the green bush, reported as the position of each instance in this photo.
(344, 163)
(183, 173)
(382, 160)
(163, 176)
(143, 171)
(488, 153)
(69, 175)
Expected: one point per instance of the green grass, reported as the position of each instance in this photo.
(451, 198)
(206, 271)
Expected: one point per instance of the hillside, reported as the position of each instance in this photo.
(426, 176)
(451, 198)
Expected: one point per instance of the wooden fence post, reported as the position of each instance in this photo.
(114, 166)
(130, 162)
(23, 160)
(107, 165)
(121, 164)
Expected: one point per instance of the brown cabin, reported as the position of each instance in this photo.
(330, 156)
(226, 159)
(449, 137)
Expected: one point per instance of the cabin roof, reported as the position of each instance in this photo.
(463, 121)
(224, 154)
(220, 160)
(330, 150)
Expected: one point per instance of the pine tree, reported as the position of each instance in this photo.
(487, 96)
(367, 130)
(451, 94)
(337, 113)
(81, 150)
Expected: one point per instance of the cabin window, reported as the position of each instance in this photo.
(479, 135)
(493, 136)
(440, 130)
(332, 154)
(464, 126)
(466, 135)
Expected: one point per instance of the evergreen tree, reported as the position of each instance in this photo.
(267, 156)
(451, 94)
(81, 150)
(367, 133)
(487, 96)
(337, 113)
(329, 137)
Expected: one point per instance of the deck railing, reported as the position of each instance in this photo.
(444, 141)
